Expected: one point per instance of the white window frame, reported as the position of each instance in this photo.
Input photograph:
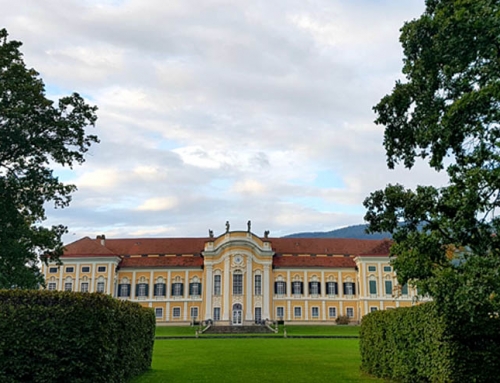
(258, 314)
(332, 312)
(217, 284)
(51, 286)
(194, 312)
(280, 287)
(280, 310)
(70, 269)
(330, 285)
(296, 287)
(177, 290)
(68, 286)
(216, 314)
(101, 286)
(237, 283)
(297, 309)
(101, 269)
(315, 312)
(84, 287)
(176, 310)
(85, 267)
(349, 312)
(52, 270)
(160, 311)
(314, 288)
(258, 284)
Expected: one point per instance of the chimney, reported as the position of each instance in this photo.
(102, 237)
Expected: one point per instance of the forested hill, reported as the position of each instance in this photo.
(355, 231)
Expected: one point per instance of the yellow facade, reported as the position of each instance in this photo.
(236, 278)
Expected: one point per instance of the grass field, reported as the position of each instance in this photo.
(256, 360)
(291, 330)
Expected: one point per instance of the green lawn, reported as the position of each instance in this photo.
(256, 360)
(291, 330)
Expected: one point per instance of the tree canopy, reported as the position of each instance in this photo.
(447, 113)
(35, 134)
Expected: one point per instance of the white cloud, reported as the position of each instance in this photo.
(217, 110)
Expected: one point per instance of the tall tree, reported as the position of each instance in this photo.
(34, 134)
(447, 112)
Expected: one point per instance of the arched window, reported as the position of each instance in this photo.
(68, 284)
(101, 284)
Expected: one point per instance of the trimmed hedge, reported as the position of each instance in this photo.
(51, 336)
(417, 344)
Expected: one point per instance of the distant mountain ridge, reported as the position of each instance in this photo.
(354, 231)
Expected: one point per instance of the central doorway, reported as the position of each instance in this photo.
(237, 314)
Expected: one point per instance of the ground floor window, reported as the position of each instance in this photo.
(372, 309)
(258, 314)
(216, 313)
(68, 286)
(297, 312)
(332, 312)
(84, 288)
(315, 312)
(100, 287)
(350, 312)
(280, 312)
(176, 313)
(52, 286)
(159, 312)
(194, 313)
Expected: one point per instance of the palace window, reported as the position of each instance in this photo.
(387, 269)
(217, 285)
(194, 313)
(159, 312)
(297, 288)
(332, 312)
(216, 313)
(258, 284)
(280, 288)
(315, 312)
(177, 289)
(68, 286)
(101, 269)
(100, 287)
(84, 287)
(373, 309)
(237, 283)
(280, 312)
(258, 314)
(124, 288)
(349, 288)
(350, 312)
(70, 269)
(297, 312)
(388, 287)
(52, 286)
(142, 290)
(404, 289)
(176, 313)
(159, 288)
(52, 270)
(85, 269)
(372, 268)
(331, 288)
(195, 289)
(314, 288)
(373, 287)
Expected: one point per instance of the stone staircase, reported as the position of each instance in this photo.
(254, 329)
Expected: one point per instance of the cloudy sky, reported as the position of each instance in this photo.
(216, 110)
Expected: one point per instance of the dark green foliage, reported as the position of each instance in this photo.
(447, 111)
(342, 319)
(72, 337)
(418, 344)
(35, 134)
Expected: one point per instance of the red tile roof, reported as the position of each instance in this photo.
(162, 262)
(87, 247)
(338, 246)
(331, 262)
(137, 246)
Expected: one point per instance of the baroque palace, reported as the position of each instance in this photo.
(236, 278)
